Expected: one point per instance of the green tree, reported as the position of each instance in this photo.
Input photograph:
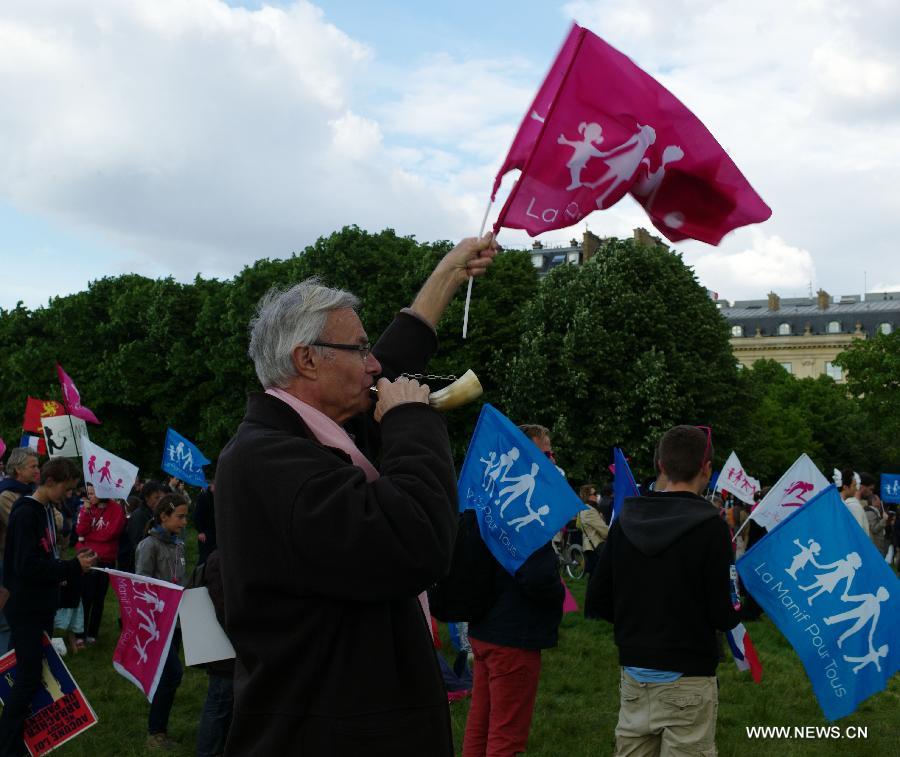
(873, 379)
(615, 352)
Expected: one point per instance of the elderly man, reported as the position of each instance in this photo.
(323, 554)
(23, 470)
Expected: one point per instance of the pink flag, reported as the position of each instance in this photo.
(2, 447)
(569, 603)
(72, 398)
(599, 128)
(149, 609)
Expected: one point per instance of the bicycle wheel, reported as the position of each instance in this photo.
(575, 562)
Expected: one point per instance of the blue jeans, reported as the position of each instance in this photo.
(169, 681)
(215, 720)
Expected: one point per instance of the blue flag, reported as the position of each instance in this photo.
(623, 483)
(520, 499)
(830, 592)
(182, 459)
(890, 487)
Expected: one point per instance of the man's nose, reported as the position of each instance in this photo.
(372, 364)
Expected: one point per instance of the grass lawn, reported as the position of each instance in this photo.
(577, 702)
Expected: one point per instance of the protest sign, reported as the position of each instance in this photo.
(149, 609)
(890, 487)
(203, 638)
(111, 476)
(623, 482)
(734, 479)
(35, 412)
(799, 484)
(182, 459)
(847, 640)
(59, 710)
(583, 146)
(72, 397)
(62, 434)
(520, 498)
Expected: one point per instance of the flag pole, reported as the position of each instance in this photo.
(465, 330)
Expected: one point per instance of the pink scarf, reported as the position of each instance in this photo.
(327, 432)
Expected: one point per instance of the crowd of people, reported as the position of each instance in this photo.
(331, 515)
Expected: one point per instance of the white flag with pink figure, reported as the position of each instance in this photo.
(734, 479)
(799, 484)
(149, 609)
(111, 476)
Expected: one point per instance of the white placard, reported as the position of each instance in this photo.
(61, 432)
(202, 636)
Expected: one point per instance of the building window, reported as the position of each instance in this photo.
(884, 328)
(557, 260)
(787, 366)
(834, 371)
(784, 329)
(537, 261)
(737, 330)
(834, 327)
(573, 257)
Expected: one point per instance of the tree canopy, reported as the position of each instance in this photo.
(609, 353)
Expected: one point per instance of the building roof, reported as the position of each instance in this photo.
(804, 312)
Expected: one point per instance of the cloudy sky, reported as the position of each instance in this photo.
(171, 137)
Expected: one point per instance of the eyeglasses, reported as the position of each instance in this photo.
(362, 349)
(708, 431)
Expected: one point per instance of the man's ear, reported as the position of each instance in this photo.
(306, 361)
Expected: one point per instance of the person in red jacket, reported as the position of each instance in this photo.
(100, 523)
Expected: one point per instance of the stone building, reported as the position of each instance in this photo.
(806, 334)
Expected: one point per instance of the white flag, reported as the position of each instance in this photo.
(111, 476)
(734, 479)
(60, 433)
(800, 483)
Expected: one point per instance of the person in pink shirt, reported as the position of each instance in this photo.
(99, 525)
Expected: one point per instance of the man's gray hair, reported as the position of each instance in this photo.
(288, 317)
(17, 459)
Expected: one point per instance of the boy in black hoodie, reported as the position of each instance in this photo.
(664, 582)
(32, 571)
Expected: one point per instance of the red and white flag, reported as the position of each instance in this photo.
(73, 398)
(149, 609)
(600, 128)
(799, 484)
(734, 479)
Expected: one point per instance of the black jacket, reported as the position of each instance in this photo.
(663, 579)
(528, 607)
(321, 571)
(31, 572)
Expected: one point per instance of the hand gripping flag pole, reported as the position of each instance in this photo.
(487, 210)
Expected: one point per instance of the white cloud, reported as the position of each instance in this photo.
(769, 264)
(199, 136)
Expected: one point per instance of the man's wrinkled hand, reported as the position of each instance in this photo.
(399, 392)
(471, 257)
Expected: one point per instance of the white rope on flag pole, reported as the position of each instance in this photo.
(469, 288)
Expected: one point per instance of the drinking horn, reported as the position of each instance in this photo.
(461, 392)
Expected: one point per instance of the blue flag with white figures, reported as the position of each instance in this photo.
(623, 482)
(830, 592)
(890, 487)
(182, 459)
(520, 498)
